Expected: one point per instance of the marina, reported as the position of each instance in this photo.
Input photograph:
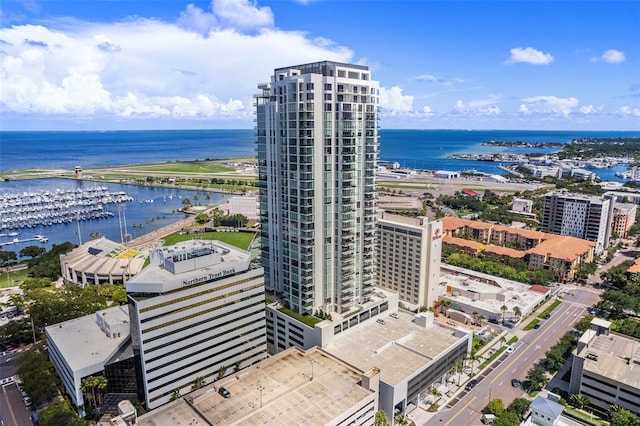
(31, 209)
(135, 218)
(38, 237)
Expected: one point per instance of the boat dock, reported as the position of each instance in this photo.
(31, 209)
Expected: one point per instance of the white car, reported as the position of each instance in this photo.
(510, 350)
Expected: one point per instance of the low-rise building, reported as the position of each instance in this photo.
(97, 344)
(522, 205)
(246, 206)
(606, 368)
(624, 217)
(540, 250)
(294, 387)
(100, 261)
(481, 295)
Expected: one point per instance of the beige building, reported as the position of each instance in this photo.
(295, 387)
(606, 368)
(100, 261)
(624, 217)
(408, 258)
(558, 253)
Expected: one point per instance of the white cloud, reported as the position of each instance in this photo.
(588, 109)
(148, 68)
(394, 101)
(529, 55)
(427, 111)
(546, 104)
(428, 77)
(479, 107)
(242, 15)
(628, 111)
(611, 56)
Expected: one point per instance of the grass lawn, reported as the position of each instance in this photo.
(237, 239)
(550, 308)
(531, 324)
(12, 279)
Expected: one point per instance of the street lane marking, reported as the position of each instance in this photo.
(460, 411)
(559, 317)
(13, 416)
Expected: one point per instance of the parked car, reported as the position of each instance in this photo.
(510, 350)
(537, 326)
(27, 401)
(394, 315)
(380, 321)
(224, 392)
(472, 383)
(547, 316)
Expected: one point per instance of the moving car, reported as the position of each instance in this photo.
(537, 326)
(510, 350)
(224, 392)
(472, 383)
(547, 316)
(516, 383)
(380, 321)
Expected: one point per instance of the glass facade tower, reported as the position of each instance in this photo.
(317, 143)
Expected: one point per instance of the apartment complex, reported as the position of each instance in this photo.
(578, 215)
(606, 368)
(540, 250)
(196, 312)
(408, 257)
(317, 143)
(624, 217)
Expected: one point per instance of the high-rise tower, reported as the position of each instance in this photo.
(317, 140)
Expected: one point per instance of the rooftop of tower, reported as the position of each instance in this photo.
(323, 67)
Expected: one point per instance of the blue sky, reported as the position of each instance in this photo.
(167, 64)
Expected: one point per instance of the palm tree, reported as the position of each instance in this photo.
(517, 312)
(435, 393)
(579, 400)
(86, 386)
(504, 309)
(503, 340)
(380, 419)
(175, 395)
(198, 382)
(473, 357)
(459, 367)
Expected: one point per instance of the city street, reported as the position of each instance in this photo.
(495, 382)
(13, 412)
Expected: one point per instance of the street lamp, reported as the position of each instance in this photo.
(260, 388)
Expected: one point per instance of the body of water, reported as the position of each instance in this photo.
(151, 209)
(421, 149)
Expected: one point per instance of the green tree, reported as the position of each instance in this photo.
(517, 312)
(519, 406)
(222, 371)
(198, 382)
(624, 417)
(579, 400)
(459, 365)
(380, 419)
(175, 395)
(202, 218)
(59, 413)
(7, 257)
(504, 309)
(495, 406)
(538, 378)
(508, 418)
(32, 251)
(39, 378)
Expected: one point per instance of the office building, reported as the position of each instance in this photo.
(408, 258)
(606, 368)
(96, 344)
(577, 215)
(197, 312)
(317, 143)
(294, 387)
